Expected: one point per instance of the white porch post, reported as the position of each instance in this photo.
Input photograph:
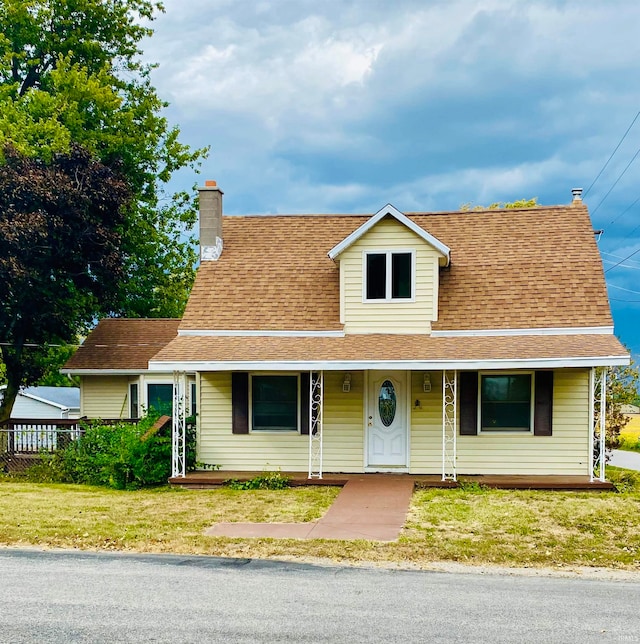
(598, 408)
(603, 423)
(316, 402)
(449, 424)
(179, 425)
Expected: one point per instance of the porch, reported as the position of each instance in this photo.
(207, 479)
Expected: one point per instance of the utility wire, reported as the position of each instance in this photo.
(612, 154)
(635, 252)
(622, 288)
(613, 221)
(616, 181)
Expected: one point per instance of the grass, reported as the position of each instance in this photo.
(630, 435)
(472, 525)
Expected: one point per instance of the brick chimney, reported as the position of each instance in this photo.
(210, 221)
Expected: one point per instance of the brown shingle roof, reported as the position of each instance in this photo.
(529, 268)
(388, 348)
(122, 343)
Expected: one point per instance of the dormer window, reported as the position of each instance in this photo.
(389, 275)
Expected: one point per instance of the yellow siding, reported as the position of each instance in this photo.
(426, 425)
(389, 317)
(343, 423)
(104, 396)
(565, 452)
(343, 431)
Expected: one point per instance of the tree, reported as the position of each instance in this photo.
(71, 75)
(61, 257)
(509, 205)
(70, 72)
(622, 389)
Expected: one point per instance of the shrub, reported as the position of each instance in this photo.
(118, 456)
(267, 481)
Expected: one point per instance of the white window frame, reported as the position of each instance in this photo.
(502, 432)
(135, 383)
(298, 401)
(193, 397)
(388, 282)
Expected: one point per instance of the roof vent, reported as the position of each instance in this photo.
(577, 194)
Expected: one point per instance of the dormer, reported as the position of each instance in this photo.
(389, 274)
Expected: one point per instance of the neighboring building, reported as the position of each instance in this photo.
(46, 402)
(449, 343)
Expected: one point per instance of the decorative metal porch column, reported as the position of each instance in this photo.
(449, 393)
(598, 390)
(316, 390)
(179, 425)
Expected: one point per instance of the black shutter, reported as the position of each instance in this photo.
(468, 403)
(240, 402)
(304, 402)
(543, 409)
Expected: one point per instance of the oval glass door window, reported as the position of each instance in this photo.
(387, 403)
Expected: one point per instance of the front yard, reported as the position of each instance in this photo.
(473, 525)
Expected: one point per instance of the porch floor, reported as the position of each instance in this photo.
(206, 479)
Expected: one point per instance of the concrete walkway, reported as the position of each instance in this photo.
(369, 507)
(629, 460)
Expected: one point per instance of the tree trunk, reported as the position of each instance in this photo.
(11, 359)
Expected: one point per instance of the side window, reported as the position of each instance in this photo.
(160, 398)
(388, 276)
(192, 399)
(134, 401)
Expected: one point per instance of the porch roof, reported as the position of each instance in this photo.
(372, 351)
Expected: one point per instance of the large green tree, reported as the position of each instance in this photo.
(71, 74)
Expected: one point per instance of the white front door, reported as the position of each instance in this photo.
(387, 427)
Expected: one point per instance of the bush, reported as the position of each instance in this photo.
(118, 456)
(267, 481)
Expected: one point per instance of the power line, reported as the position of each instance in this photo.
(622, 288)
(635, 268)
(623, 260)
(624, 136)
(616, 181)
(613, 221)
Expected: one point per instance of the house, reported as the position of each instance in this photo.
(439, 343)
(46, 402)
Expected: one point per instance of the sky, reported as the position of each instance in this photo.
(343, 106)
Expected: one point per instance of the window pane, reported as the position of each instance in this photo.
(133, 398)
(401, 275)
(376, 276)
(387, 403)
(193, 408)
(160, 399)
(506, 402)
(274, 403)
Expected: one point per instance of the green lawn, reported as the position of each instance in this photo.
(477, 526)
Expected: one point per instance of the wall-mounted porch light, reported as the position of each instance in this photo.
(346, 383)
(426, 383)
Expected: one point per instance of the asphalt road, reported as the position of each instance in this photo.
(89, 597)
